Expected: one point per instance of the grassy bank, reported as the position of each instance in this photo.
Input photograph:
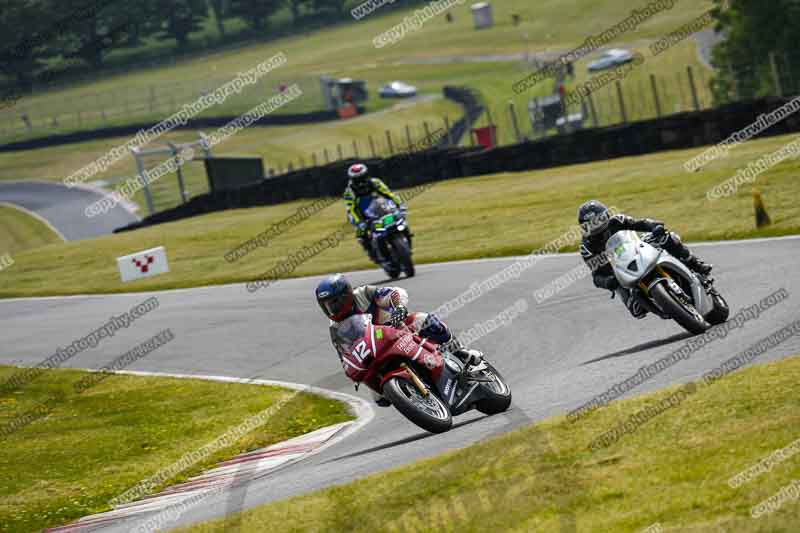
(348, 50)
(95, 445)
(20, 231)
(672, 471)
(486, 216)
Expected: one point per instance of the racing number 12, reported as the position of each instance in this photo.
(361, 352)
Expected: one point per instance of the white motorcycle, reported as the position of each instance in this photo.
(663, 284)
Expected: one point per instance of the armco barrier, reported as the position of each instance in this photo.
(684, 130)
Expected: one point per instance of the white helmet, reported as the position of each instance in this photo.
(359, 170)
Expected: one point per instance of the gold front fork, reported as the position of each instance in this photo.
(661, 271)
(417, 382)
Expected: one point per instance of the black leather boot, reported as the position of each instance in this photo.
(467, 356)
(695, 264)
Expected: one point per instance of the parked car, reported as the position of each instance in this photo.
(397, 89)
(610, 59)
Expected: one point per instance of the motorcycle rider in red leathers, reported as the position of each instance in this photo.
(387, 306)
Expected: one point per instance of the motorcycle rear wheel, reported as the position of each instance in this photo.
(721, 311)
(686, 316)
(498, 393)
(428, 412)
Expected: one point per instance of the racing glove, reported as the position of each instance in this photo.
(660, 234)
(399, 315)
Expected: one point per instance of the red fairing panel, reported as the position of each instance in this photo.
(382, 343)
(356, 361)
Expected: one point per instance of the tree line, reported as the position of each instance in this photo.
(41, 38)
(760, 48)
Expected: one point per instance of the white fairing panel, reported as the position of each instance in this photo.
(631, 258)
(702, 302)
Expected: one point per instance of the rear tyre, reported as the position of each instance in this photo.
(402, 253)
(684, 314)
(428, 412)
(498, 393)
(721, 311)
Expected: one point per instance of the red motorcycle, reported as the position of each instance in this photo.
(428, 385)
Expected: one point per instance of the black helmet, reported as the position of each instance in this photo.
(359, 178)
(593, 218)
(335, 297)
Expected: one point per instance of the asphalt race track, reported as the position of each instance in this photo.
(63, 207)
(556, 355)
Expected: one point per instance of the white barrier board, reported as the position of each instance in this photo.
(144, 264)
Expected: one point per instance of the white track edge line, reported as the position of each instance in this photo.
(37, 216)
(125, 204)
(129, 206)
(362, 409)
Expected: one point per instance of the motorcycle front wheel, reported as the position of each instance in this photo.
(684, 314)
(402, 253)
(428, 412)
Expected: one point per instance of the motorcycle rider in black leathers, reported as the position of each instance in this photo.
(599, 225)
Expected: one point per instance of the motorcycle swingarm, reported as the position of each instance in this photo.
(474, 392)
(459, 391)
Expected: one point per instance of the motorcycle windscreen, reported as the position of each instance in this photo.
(354, 338)
(379, 207)
(350, 331)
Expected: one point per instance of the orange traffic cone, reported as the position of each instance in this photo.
(762, 218)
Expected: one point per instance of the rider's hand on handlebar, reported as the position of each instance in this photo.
(399, 314)
(659, 232)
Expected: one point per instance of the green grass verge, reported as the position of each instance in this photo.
(96, 445)
(672, 471)
(487, 216)
(20, 231)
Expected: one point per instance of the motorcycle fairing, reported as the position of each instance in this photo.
(633, 259)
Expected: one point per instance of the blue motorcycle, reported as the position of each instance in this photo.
(391, 237)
